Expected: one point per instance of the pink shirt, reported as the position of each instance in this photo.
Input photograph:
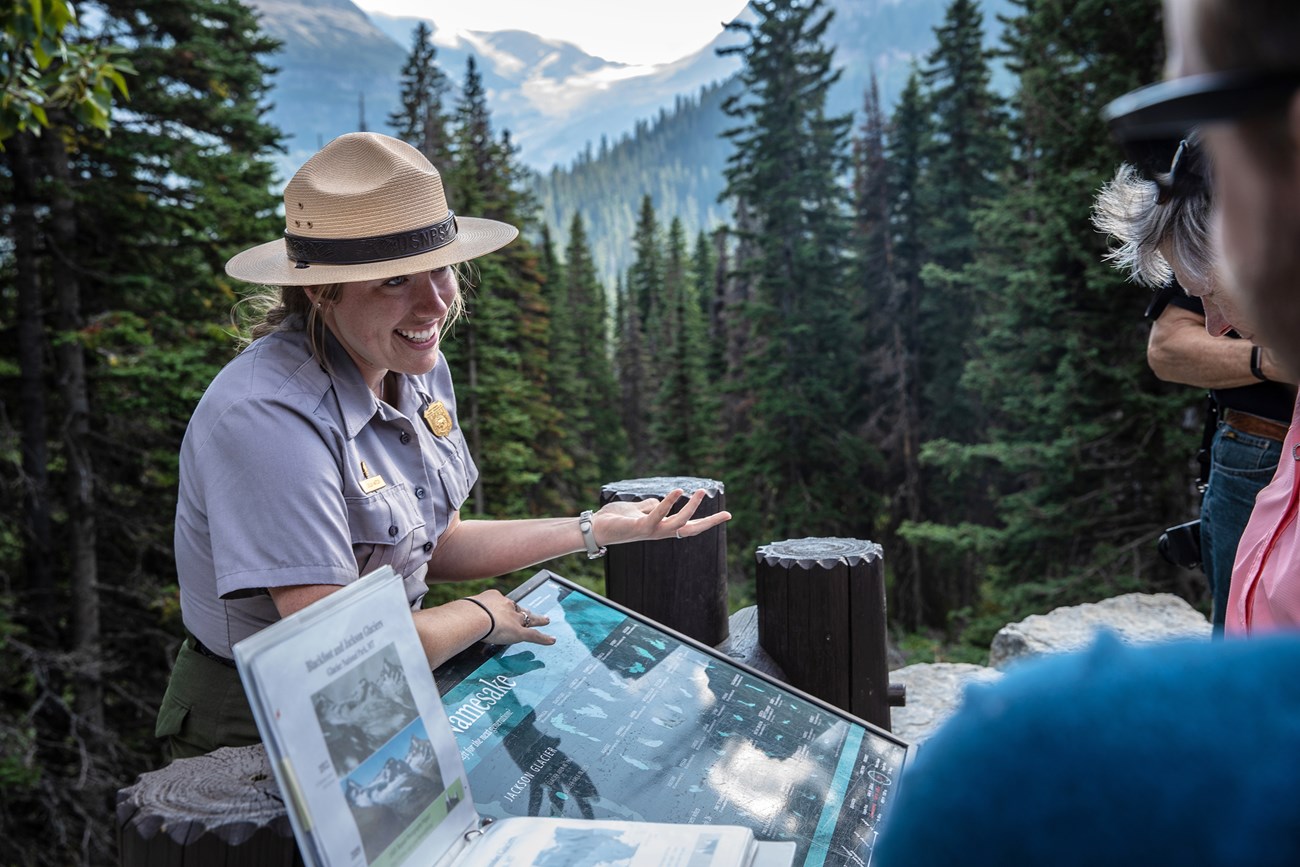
(1265, 592)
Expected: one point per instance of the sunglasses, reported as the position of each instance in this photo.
(1169, 109)
(1184, 178)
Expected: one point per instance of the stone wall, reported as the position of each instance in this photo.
(934, 690)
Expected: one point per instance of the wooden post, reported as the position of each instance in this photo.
(681, 583)
(221, 808)
(821, 616)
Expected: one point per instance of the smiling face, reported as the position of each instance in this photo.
(393, 324)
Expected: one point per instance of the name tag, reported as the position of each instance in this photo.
(369, 483)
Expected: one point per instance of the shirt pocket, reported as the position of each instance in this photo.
(383, 527)
(456, 473)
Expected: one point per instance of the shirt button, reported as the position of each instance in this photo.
(428, 546)
(419, 493)
(392, 531)
(406, 437)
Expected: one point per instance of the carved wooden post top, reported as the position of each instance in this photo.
(823, 552)
(659, 486)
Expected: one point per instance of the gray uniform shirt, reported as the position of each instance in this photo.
(292, 475)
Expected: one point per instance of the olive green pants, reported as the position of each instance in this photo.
(204, 707)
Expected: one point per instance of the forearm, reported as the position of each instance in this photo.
(484, 549)
(1181, 350)
(1212, 362)
(448, 629)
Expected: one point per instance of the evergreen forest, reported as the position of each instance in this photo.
(902, 330)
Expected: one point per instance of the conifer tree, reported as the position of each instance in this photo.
(499, 351)
(886, 409)
(785, 168)
(593, 411)
(682, 424)
(663, 330)
(558, 490)
(898, 428)
(1083, 453)
(638, 359)
(421, 118)
(630, 373)
(134, 229)
(967, 146)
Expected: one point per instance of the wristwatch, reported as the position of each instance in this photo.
(594, 551)
(1257, 363)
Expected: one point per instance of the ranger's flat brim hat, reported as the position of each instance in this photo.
(366, 207)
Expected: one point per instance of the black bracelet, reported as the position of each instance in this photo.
(1256, 356)
(491, 619)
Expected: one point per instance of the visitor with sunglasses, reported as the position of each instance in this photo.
(1161, 221)
(1233, 72)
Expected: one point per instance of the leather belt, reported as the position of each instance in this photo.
(1253, 424)
(211, 654)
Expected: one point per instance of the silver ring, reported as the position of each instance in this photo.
(528, 619)
(678, 534)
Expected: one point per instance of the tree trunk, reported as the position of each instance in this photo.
(38, 570)
(75, 433)
(911, 614)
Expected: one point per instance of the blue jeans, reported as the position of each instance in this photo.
(1241, 464)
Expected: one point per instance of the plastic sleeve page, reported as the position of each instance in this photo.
(353, 707)
(526, 841)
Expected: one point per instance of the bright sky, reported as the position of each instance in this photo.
(619, 30)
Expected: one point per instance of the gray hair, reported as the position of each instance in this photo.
(1128, 209)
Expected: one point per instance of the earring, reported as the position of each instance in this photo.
(317, 305)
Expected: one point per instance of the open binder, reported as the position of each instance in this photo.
(371, 771)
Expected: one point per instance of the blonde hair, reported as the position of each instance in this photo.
(268, 309)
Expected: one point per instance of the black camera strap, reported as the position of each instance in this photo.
(1203, 458)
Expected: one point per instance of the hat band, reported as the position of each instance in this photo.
(378, 248)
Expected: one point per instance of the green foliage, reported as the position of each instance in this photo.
(1077, 495)
(912, 340)
(420, 118)
(500, 351)
(133, 230)
(789, 467)
(671, 160)
(683, 426)
(45, 65)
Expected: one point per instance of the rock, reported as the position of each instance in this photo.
(1137, 618)
(934, 691)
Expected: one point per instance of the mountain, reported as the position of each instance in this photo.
(334, 64)
(678, 158)
(553, 97)
(599, 134)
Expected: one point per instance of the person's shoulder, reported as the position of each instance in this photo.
(277, 370)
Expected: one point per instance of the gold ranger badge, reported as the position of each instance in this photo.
(437, 418)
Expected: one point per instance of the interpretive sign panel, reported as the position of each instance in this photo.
(623, 719)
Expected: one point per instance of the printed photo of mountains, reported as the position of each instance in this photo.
(364, 709)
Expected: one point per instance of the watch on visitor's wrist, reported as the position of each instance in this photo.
(1257, 363)
(594, 551)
